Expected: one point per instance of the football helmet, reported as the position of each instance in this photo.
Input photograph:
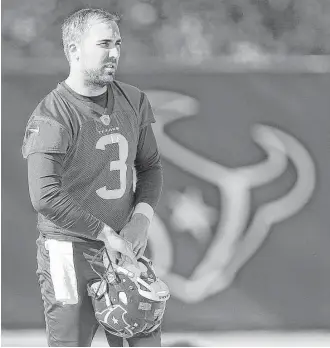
(127, 301)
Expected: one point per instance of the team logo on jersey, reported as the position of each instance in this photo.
(105, 119)
(238, 235)
(107, 125)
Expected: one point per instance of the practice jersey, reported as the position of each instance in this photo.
(99, 145)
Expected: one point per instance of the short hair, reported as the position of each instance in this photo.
(77, 23)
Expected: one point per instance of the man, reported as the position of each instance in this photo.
(82, 143)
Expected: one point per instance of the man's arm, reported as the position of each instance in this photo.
(49, 199)
(149, 183)
(149, 173)
(148, 189)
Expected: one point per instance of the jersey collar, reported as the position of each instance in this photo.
(85, 102)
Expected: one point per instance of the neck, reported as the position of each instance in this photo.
(77, 82)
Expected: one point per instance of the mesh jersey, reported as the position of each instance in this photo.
(99, 151)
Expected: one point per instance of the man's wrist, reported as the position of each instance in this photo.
(140, 220)
(145, 209)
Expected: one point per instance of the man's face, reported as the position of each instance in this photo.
(99, 53)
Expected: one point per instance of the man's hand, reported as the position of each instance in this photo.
(117, 246)
(136, 232)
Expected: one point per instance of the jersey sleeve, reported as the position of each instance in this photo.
(149, 170)
(53, 202)
(45, 135)
(146, 113)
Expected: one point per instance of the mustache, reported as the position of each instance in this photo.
(113, 61)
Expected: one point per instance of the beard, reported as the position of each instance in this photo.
(98, 77)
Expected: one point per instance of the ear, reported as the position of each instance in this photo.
(74, 51)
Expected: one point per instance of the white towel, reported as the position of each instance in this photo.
(62, 271)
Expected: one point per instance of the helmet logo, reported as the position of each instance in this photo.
(113, 318)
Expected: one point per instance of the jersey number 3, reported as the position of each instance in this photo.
(120, 165)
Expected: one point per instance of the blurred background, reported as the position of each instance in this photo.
(240, 91)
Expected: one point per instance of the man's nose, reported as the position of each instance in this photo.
(114, 52)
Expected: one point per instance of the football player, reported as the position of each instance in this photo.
(82, 144)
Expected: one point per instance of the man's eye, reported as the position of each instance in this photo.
(107, 44)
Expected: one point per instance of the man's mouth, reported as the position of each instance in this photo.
(111, 66)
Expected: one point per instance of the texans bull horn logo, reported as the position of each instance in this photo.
(113, 318)
(234, 243)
